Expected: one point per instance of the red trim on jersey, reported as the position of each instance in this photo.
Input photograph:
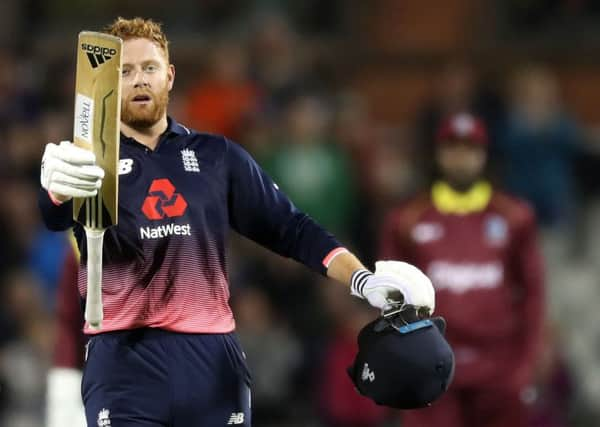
(54, 200)
(332, 254)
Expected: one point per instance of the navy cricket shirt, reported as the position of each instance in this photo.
(164, 263)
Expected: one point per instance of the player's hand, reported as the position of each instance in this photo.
(392, 283)
(69, 171)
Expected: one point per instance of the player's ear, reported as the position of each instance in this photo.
(170, 76)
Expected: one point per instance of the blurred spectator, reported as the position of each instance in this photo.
(383, 165)
(259, 134)
(340, 404)
(56, 88)
(273, 355)
(220, 101)
(311, 169)
(24, 145)
(18, 99)
(64, 404)
(26, 242)
(457, 88)
(549, 16)
(18, 221)
(278, 60)
(54, 126)
(381, 155)
(552, 396)
(45, 261)
(538, 146)
(479, 248)
(25, 360)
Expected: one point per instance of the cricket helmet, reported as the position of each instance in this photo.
(403, 360)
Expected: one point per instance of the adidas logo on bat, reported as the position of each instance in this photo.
(97, 54)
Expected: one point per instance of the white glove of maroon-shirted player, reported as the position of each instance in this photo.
(70, 171)
(390, 278)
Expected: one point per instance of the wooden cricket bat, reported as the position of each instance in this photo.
(96, 128)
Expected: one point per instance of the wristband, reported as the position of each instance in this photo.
(53, 199)
(358, 280)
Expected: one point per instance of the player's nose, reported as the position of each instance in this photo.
(139, 80)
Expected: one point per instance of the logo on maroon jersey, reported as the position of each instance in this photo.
(162, 201)
(496, 230)
(427, 232)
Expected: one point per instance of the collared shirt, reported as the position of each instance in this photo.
(164, 264)
(449, 201)
(480, 250)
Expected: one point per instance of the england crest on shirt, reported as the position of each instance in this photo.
(496, 230)
(104, 418)
(190, 162)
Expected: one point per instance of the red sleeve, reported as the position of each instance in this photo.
(70, 341)
(529, 271)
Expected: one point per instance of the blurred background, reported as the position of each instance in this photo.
(338, 100)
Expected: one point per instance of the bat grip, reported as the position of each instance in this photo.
(93, 305)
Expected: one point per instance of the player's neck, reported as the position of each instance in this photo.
(460, 187)
(148, 136)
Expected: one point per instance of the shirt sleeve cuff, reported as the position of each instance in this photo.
(54, 200)
(332, 254)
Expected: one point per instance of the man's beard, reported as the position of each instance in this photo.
(148, 116)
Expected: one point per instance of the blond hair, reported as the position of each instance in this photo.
(140, 28)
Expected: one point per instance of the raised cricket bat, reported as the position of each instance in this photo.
(96, 128)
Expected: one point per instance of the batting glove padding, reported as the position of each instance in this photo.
(70, 171)
(393, 282)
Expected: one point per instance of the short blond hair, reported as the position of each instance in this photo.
(140, 28)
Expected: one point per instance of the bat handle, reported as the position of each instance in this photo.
(93, 305)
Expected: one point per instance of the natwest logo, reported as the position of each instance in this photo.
(162, 201)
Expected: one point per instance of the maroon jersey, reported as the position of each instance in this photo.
(69, 348)
(483, 259)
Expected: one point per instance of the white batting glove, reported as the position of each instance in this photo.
(393, 282)
(69, 171)
(63, 398)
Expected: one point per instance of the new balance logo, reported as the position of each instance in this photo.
(98, 55)
(125, 166)
(367, 374)
(236, 418)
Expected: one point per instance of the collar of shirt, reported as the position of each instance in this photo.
(449, 201)
(173, 129)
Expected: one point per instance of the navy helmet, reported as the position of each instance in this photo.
(403, 360)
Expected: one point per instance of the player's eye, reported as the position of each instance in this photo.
(125, 72)
(151, 68)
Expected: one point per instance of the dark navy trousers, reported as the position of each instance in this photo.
(156, 378)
